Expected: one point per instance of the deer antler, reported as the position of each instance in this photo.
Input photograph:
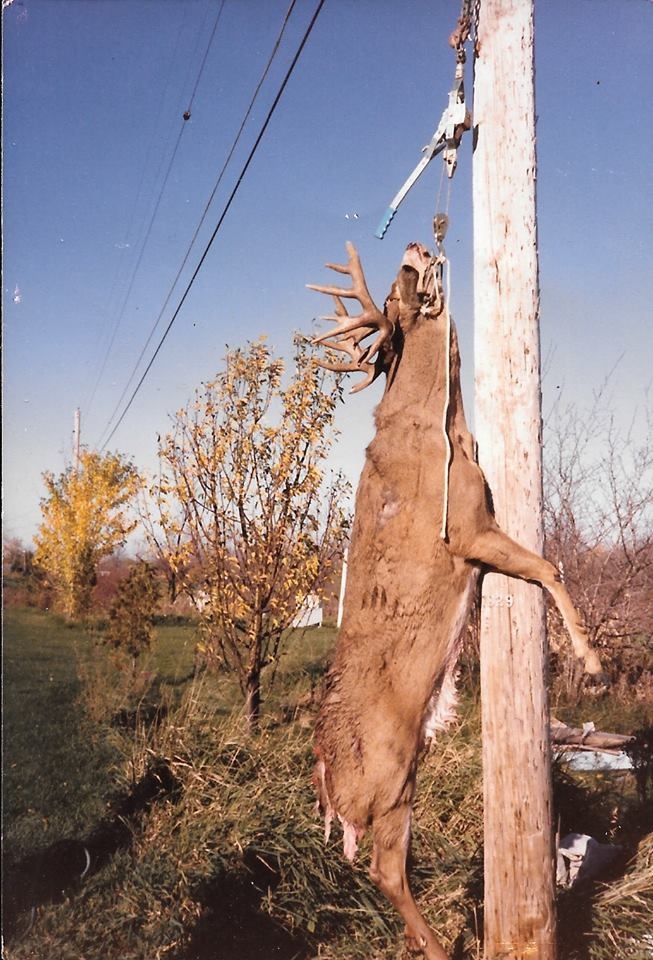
(350, 331)
(357, 365)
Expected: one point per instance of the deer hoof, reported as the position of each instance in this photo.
(420, 946)
(415, 945)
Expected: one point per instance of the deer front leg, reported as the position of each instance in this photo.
(388, 871)
(503, 555)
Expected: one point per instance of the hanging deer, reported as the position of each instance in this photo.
(391, 684)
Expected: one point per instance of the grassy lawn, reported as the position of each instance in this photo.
(59, 766)
(233, 864)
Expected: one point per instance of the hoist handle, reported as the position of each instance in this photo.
(386, 220)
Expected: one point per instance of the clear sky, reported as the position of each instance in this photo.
(94, 93)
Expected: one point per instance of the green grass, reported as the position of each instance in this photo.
(608, 715)
(174, 650)
(235, 867)
(60, 767)
(57, 766)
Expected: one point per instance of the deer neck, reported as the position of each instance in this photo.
(426, 370)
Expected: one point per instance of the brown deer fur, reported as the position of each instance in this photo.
(391, 683)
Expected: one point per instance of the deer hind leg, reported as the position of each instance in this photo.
(388, 871)
(497, 550)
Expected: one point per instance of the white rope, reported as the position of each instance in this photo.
(447, 400)
(465, 17)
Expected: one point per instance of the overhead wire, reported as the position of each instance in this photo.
(155, 211)
(205, 58)
(225, 210)
(189, 248)
(127, 233)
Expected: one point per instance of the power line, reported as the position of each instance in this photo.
(225, 210)
(253, 99)
(164, 184)
(204, 213)
(132, 219)
(205, 58)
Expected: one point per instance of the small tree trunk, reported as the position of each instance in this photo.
(253, 680)
(253, 700)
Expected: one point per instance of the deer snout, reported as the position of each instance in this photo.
(418, 258)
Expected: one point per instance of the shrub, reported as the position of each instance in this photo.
(133, 612)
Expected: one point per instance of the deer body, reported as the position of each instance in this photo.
(391, 684)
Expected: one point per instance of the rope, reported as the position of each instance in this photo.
(441, 269)
(457, 40)
(437, 199)
(447, 401)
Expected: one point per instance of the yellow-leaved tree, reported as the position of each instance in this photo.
(85, 518)
(244, 516)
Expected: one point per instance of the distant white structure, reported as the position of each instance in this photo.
(311, 613)
(200, 600)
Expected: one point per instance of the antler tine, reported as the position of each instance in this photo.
(345, 326)
(339, 366)
(347, 345)
(355, 270)
(356, 365)
(373, 370)
(358, 290)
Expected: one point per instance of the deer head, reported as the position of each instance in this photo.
(416, 293)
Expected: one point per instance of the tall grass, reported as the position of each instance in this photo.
(241, 850)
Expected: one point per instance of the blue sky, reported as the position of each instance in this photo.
(94, 92)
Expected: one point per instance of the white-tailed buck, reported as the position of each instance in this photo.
(391, 683)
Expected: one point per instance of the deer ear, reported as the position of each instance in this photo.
(407, 280)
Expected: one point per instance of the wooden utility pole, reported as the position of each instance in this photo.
(76, 438)
(519, 865)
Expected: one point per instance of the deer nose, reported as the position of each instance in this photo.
(419, 259)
